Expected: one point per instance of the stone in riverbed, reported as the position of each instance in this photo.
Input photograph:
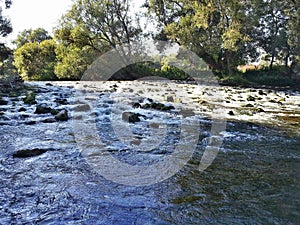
(29, 153)
(62, 115)
(49, 120)
(131, 117)
(158, 106)
(54, 112)
(30, 122)
(250, 98)
(259, 110)
(29, 98)
(22, 109)
(3, 102)
(261, 92)
(249, 106)
(42, 109)
(231, 113)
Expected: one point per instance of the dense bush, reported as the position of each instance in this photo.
(278, 76)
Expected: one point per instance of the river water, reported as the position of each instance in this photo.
(254, 178)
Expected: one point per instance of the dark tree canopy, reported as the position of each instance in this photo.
(5, 29)
(5, 25)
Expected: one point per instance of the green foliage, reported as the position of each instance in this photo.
(149, 69)
(5, 25)
(277, 76)
(229, 33)
(89, 29)
(36, 61)
(29, 36)
(215, 30)
(8, 72)
(73, 61)
(236, 80)
(5, 29)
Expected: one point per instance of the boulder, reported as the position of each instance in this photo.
(22, 109)
(49, 120)
(42, 109)
(3, 102)
(157, 106)
(231, 113)
(81, 108)
(30, 122)
(261, 92)
(131, 117)
(249, 105)
(259, 110)
(136, 105)
(62, 115)
(29, 98)
(250, 98)
(54, 112)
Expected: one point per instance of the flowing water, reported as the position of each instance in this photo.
(254, 179)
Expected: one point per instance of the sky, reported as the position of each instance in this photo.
(26, 14)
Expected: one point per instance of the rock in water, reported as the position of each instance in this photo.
(29, 98)
(131, 117)
(3, 102)
(29, 153)
(251, 98)
(231, 113)
(42, 109)
(62, 115)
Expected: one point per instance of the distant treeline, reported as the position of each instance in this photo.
(225, 34)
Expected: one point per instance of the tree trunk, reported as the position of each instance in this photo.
(229, 62)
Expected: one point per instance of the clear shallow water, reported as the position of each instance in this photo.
(253, 180)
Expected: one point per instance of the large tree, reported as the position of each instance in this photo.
(214, 30)
(29, 36)
(89, 29)
(5, 29)
(35, 56)
(228, 33)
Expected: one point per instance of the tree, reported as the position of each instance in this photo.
(36, 61)
(215, 30)
(228, 33)
(38, 35)
(5, 29)
(89, 29)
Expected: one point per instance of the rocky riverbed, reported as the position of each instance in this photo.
(47, 178)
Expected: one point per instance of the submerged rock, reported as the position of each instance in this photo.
(29, 153)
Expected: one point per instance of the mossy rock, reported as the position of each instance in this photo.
(30, 98)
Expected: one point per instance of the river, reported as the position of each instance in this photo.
(252, 179)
